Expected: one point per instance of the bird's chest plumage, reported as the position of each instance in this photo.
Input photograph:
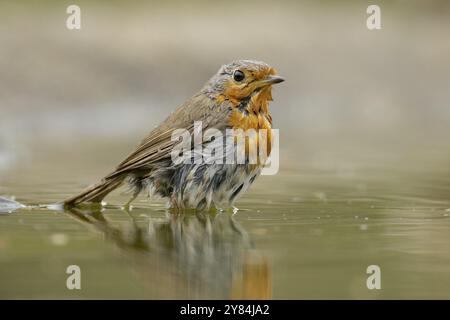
(216, 185)
(220, 183)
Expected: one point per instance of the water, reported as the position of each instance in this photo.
(308, 232)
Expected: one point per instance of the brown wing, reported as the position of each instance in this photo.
(158, 144)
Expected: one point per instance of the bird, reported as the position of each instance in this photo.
(235, 99)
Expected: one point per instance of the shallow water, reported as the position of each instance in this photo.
(308, 232)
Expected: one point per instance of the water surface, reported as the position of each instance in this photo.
(308, 232)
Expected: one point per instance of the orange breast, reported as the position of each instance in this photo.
(256, 117)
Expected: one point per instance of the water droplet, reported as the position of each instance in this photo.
(59, 239)
(321, 196)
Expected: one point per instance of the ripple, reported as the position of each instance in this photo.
(9, 205)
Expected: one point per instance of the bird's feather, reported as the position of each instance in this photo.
(159, 144)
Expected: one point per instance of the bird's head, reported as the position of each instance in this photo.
(242, 80)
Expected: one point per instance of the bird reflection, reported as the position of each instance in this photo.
(189, 255)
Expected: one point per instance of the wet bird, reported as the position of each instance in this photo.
(236, 97)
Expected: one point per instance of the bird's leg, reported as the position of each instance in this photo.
(127, 206)
(233, 210)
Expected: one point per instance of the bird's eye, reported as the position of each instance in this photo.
(238, 76)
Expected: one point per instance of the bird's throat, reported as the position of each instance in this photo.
(253, 114)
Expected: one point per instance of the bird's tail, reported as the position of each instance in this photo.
(96, 192)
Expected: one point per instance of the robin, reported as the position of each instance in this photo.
(237, 98)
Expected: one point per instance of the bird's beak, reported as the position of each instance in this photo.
(271, 79)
